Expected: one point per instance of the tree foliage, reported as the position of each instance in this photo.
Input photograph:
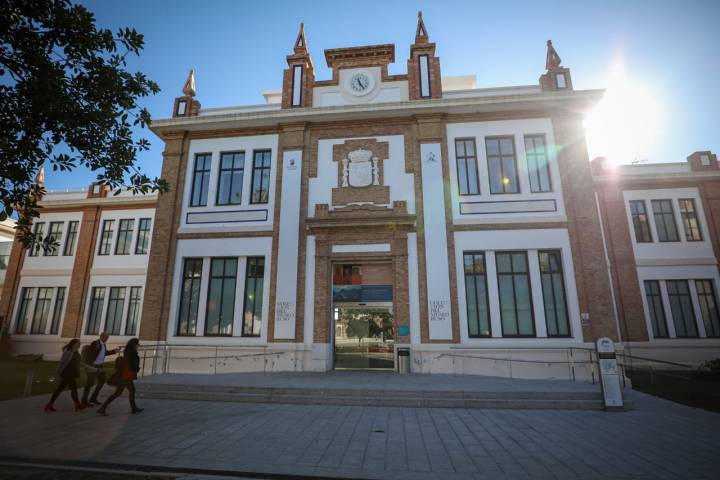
(67, 100)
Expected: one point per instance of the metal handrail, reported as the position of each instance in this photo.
(654, 360)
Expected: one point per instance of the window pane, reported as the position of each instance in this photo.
(553, 287)
(133, 313)
(260, 177)
(478, 316)
(23, 312)
(97, 301)
(116, 303)
(537, 162)
(190, 296)
(221, 297)
(201, 179)
(54, 239)
(640, 221)
(708, 307)
(124, 237)
(70, 238)
(690, 220)
(515, 294)
(42, 310)
(681, 308)
(656, 308)
(252, 316)
(665, 221)
(106, 237)
(466, 162)
(38, 237)
(143, 240)
(57, 310)
(502, 170)
(230, 180)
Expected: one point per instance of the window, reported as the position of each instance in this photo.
(466, 161)
(501, 165)
(24, 310)
(476, 295)
(57, 310)
(252, 311)
(297, 86)
(640, 221)
(560, 81)
(656, 308)
(181, 107)
(54, 239)
(681, 308)
(200, 180)
(424, 68)
(97, 301)
(553, 288)
(708, 307)
(537, 162)
(42, 309)
(70, 237)
(106, 237)
(116, 303)
(133, 312)
(665, 221)
(516, 310)
(190, 296)
(143, 236)
(230, 180)
(124, 237)
(260, 177)
(38, 232)
(690, 220)
(221, 297)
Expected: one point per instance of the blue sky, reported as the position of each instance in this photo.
(238, 49)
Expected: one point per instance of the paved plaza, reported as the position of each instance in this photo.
(657, 440)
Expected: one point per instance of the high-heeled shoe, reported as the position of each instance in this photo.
(49, 409)
(137, 410)
(79, 406)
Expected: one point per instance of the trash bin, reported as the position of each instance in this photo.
(403, 360)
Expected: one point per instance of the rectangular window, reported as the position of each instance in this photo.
(260, 177)
(190, 296)
(708, 307)
(681, 308)
(688, 212)
(42, 310)
(97, 301)
(57, 310)
(38, 237)
(106, 237)
(221, 297)
(230, 179)
(656, 308)
(54, 239)
(476, 295)
(516, 309)
(70, 238)
(124, 237)
(23, 313)
(143, 236)
(116, 304)
(200, 180)
(553, 288)
(502, 168)
(640, 221)
(466, 161)
(424, 67)
(537, 162)
(252, 311)
(665, 221)
(133, 313)
(560, 81)
(297, 85)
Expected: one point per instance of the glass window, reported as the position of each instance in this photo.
(252, 316)
(476, 295)
(502, 168)
(260, 177)
(537, 162)
(553, 287)
(24, 310)
(70, 238)
(200, 180)
(640, 221)
(230, 179)
(466, 161)
(665, 221)
(57, 310)
(54, 239)
(106, 237)
(42, 310)
(681, 308)
(124, 237)
(116, 303)
(38, 237)
(516, 310)
(143, 236)
(97, 301)
(190, 296)
(133, 312)
(690, 220)
(656, 308)
(708, 307)
(221, 297)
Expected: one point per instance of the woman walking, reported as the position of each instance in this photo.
(68, 371)
(128, 372)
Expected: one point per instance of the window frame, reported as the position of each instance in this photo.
(664, 216)
(475, 274)
(71, 238)
(261, 280)
(57, 310)
(116, 296)
(27, 296)
(533, 137)
(105, 244)
(205, 185)
(232, 171)
(466, 158)
(91, 311)
(687, 217)
(223, 278)
(530, 293)
(145, 234)
(134, 304)
(126, 234)
(500, 156)
(693, 317)
(655, 322)
(637, 223)
(193, 281)
(38, 230)
(561, 273)
(261, 169)
(703, 303)
(54, 251)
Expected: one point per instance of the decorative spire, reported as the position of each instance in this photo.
(40, 177)
(421, 35)
(552, 61)
(189, 87)
(300, 43)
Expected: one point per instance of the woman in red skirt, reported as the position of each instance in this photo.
(128, 373)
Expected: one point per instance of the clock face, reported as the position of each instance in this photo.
(360, 84)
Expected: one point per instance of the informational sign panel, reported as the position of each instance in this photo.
(609, 374)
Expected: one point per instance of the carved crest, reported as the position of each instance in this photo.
(360, 169)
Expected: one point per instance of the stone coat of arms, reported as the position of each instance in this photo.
(360, 169)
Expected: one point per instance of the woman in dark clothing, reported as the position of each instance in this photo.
(130, 367)
(68, 371)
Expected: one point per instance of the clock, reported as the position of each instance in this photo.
(360, 84)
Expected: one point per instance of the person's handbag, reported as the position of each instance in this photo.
(116, 377)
